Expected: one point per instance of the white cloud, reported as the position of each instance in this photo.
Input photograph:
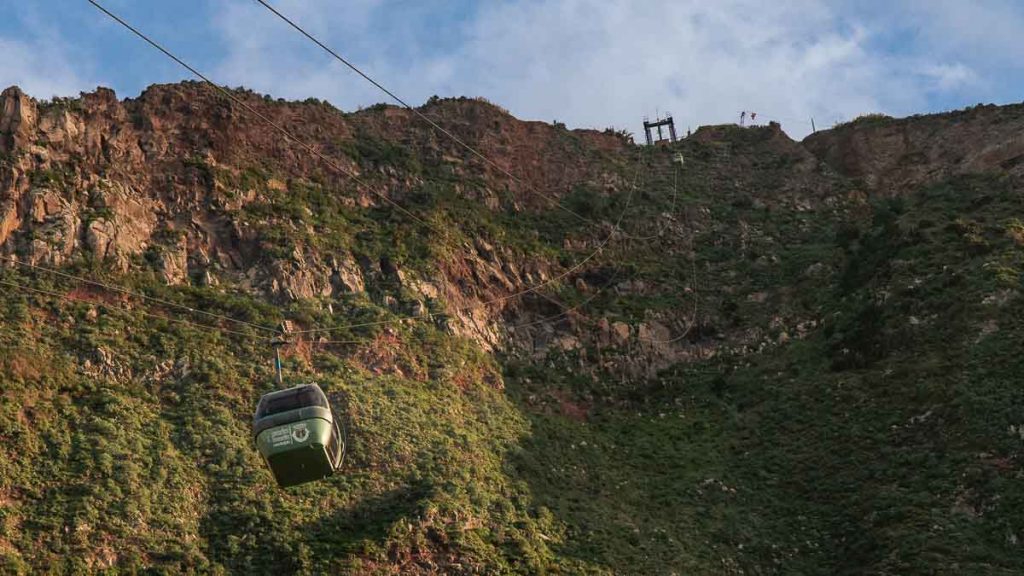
(601, 63)
(39, 60)
(265, 54)
(611, 62)
(949, 76)
(40, 68)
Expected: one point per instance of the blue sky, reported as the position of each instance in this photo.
(589, 63)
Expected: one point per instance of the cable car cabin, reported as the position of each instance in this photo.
(297, 435)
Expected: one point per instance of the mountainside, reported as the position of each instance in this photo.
(736, 354)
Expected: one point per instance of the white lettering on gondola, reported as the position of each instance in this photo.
(281, 437)
(286, 435)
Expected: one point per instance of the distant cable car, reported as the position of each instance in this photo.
(298, 435)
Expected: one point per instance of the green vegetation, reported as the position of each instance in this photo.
(73, 105)
(851, 403)
(886, 443)
(130, 447)
(52, 178)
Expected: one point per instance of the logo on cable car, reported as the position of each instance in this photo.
(300, 433)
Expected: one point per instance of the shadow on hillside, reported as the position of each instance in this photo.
(533, 463)
(622, 481)
(244, 535)
(367, 521)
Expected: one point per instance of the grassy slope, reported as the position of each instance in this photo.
(160, 471)
(125, 439)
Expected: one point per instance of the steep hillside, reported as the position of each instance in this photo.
(738, 354)
(897, 155)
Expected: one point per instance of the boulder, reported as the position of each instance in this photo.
(346, 277)
(173, 262)
(620, 333)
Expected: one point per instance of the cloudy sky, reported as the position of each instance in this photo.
(589, 63)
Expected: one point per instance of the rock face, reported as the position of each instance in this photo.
(166, 181)
(124, 223)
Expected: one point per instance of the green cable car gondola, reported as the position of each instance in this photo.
(297, 435)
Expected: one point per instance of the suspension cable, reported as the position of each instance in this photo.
(122, 290)
(281, 129)
(67, 298)
(616, 228)
(418, 113)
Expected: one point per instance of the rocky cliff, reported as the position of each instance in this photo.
(171, 180)
(188, 184)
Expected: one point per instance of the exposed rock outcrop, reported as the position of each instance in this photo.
(893, 155)
(18, 115)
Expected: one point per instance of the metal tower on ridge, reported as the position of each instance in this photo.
(658, 124)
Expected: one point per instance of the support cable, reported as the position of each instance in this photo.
(67, 298)
(418, 113)
(284, 131)
(616, 228)
(114, 288)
